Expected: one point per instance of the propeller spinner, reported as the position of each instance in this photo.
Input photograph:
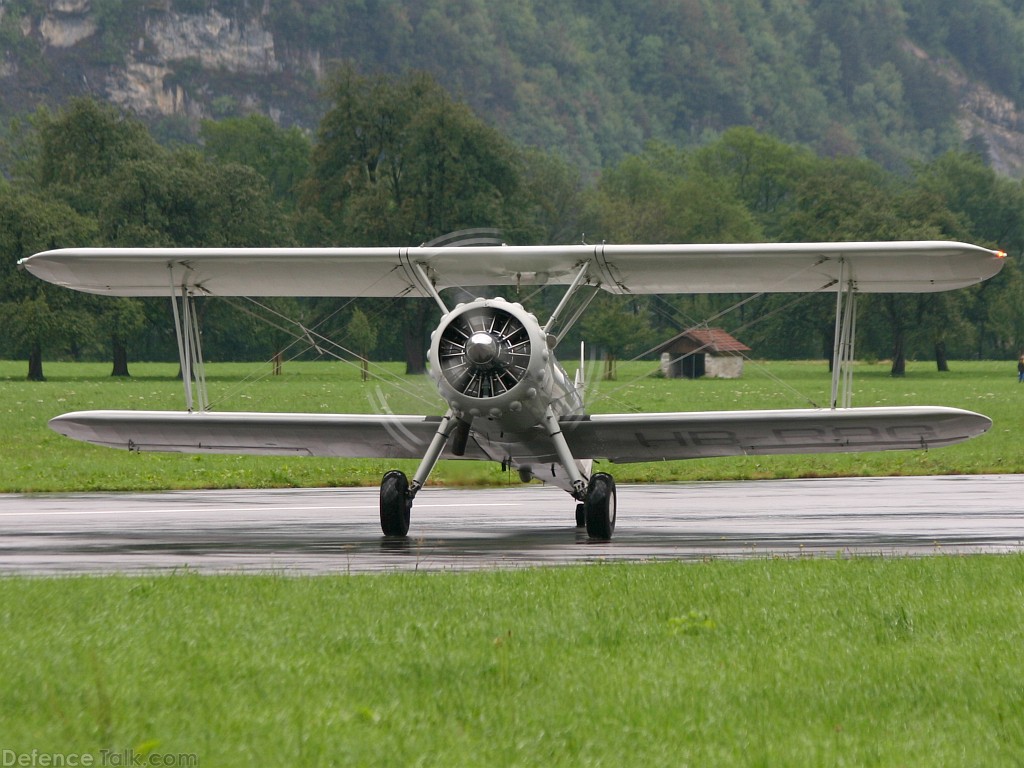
(484, 352)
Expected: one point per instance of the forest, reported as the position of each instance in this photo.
(397, 160)
(593, 80)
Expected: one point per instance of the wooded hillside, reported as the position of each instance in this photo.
(892, 80)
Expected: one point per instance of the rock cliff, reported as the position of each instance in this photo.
(192, 65)
(190, 60)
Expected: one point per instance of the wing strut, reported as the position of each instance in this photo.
(846, 327)
(422, 279)
(190, 350)
(555, 318)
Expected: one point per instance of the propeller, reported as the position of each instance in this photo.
(484, 352)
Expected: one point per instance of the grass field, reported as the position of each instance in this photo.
(799, 662)
(36, 459)
(765, 662)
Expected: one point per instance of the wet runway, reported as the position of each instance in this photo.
(337, 530)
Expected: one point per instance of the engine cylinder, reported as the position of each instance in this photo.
(490, 359)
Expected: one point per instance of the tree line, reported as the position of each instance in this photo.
(396, 160)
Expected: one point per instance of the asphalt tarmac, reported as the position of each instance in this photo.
(337, 530)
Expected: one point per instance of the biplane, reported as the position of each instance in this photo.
(508, 398)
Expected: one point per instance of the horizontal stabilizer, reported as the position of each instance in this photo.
(871, 267)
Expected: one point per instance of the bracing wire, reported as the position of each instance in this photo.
(705, 323)
(322, 344)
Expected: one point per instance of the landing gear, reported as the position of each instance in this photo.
(395, 504)
(581, 515)
(397, 493)
(599, 507)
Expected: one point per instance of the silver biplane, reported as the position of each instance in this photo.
(509, 400)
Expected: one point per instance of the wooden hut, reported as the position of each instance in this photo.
(703, 352)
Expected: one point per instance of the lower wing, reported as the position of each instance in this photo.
(281, 434)
(617, 438)
(624, 438)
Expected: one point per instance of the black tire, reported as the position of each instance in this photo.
(600, 507)
(581, 515)
(395, 504)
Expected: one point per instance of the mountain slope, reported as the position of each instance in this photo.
(592, 80)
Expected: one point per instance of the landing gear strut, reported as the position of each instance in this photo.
(397, 493)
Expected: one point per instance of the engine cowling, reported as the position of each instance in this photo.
(490, 358)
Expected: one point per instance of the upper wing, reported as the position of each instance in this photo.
(627, 438)
(289, 434)
(881, 267)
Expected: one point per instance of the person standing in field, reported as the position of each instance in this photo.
(1020, 369)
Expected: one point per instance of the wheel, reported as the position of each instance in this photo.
(599, 508)
(581, 515)
(395, 504)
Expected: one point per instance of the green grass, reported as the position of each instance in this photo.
(32, 458)
(782, 662)
(864, 661)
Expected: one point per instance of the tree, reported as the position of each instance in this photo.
(761, 172)
(661, 196)
(989, 208)
(121, 319)
(37, 317)
(182, 199)
(618, 326)
(400, 162)
(279, 155)
(80, 147)
(553, 198)
(106, 166)
(858, 200)
(970, 202)
(74, 155)
(362, 336)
